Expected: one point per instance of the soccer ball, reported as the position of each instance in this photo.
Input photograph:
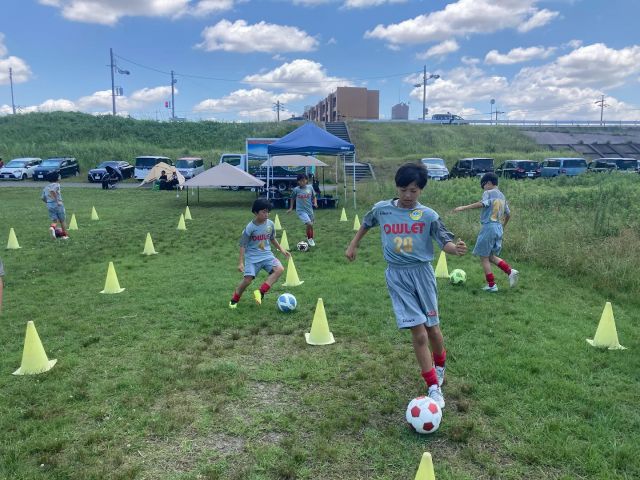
(303, 246)
(424, 415)
(287, 303)
(458, 277)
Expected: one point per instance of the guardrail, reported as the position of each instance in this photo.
(519, 123)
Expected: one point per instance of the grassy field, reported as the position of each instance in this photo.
(163, 381)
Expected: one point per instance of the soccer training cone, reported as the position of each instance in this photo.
(343, 215)
(94, 214)
(277, 223)
(606, 335)
(73, 225)
(284, 243)
(12, 243)
(441, 267)
(356, 223)
(111, 284)
(187, 214)
(320, 334)
(181, 224)
(148, 246)
(34, 358)
(292, 279)
(425, 470)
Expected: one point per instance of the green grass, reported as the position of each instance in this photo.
(163, 381)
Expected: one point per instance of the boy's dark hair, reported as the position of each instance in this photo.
(261, 204)
(302, 176)
(411, 172)
(489, 177)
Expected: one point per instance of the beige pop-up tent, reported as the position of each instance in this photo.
(224, 175)
(156, 171)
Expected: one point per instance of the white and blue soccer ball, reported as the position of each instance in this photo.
(287, 303)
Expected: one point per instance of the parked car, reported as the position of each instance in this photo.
(19, 168)
(436, 168)
(627, 165)
(56, 167)
(472, 167)
(552, 167)
(600, 166)
(146, 163)
(96, 174)
(189, 167)
(448, 118)
(519, 169)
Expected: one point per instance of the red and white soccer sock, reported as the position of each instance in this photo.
(505, 267)
(440, 359)
(491, 280)
(264, 288)
(235, 298)
(431, 377)
(309, 231)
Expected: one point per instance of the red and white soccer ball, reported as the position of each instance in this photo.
(424, 415)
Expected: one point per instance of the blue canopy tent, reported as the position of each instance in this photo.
(309, 139)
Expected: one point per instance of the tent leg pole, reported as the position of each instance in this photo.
(187, 196)
(198, 194)
(354, 182)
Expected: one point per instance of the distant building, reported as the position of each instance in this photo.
(400, 111)
(346, 103)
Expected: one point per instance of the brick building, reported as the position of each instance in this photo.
(400, 111)
(346, 103)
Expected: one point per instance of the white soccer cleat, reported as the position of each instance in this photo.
(489, 289)
(440, 373)
(53, 231)
(311, 242)
(513, 277)
(435, 394)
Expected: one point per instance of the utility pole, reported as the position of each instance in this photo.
(13, 103)
(602, 105)
(113, 84)
(278, 107)
(424, 93)
(497, 112)
(173, 105)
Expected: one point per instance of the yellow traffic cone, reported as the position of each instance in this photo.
(73, 225)
(284, 243)
(356, 223)
(425, 470)
(34, 358)
(187, 214)
(12, 243)
(111, 284)
(292, 279)
(606, 334)
(320, 334)
(94, 214)
(181, 224)
(277, 223)
(343, 216)
(441, 267)
(148, 246)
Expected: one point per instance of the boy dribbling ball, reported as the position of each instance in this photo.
(256, 255)
(52, 196)
(408, 229)
(304, 200)
(494, 217)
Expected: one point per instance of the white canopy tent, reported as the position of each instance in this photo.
(222, 175)
(293, 161)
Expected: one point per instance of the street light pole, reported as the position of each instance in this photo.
(173, 103)
(13, 103)
(424, 92)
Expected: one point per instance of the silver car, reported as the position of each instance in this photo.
(436, 168)
(19, 168)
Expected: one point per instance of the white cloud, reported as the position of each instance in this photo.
(537, 20)
(301, 76)
(441, 49)
(260, 37)
(461, 18)
(3, 49)
(109, 12)
(20, 71)
(470, 60)
(518, 55)
(255, 104)
(368, 3)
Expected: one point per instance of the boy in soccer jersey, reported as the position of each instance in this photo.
(304, 199)
(255, 253)
(494, 217)
(407, 230)
(53, 198)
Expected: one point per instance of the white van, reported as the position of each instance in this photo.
(146, 163)
(189, 167)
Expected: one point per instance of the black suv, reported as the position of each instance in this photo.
(56, 168)
(472, 167)
(519, 169)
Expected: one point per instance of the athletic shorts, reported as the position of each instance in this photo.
(414, 295)
(56, 213)
(305, 217)
(1, 269)
(489, 240)
(252, 269)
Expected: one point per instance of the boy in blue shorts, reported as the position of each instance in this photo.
(494, 217)
(53, 198)
(255, 253)
(407, 229)
(304, 199)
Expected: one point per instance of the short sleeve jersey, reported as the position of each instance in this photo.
(256, 239)
(407, 234)
(304, 199)
(494, 206)
(51, 194)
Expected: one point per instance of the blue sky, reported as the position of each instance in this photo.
(539, 59)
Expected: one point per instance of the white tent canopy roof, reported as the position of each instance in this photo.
(224, 175)
(294, 161)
